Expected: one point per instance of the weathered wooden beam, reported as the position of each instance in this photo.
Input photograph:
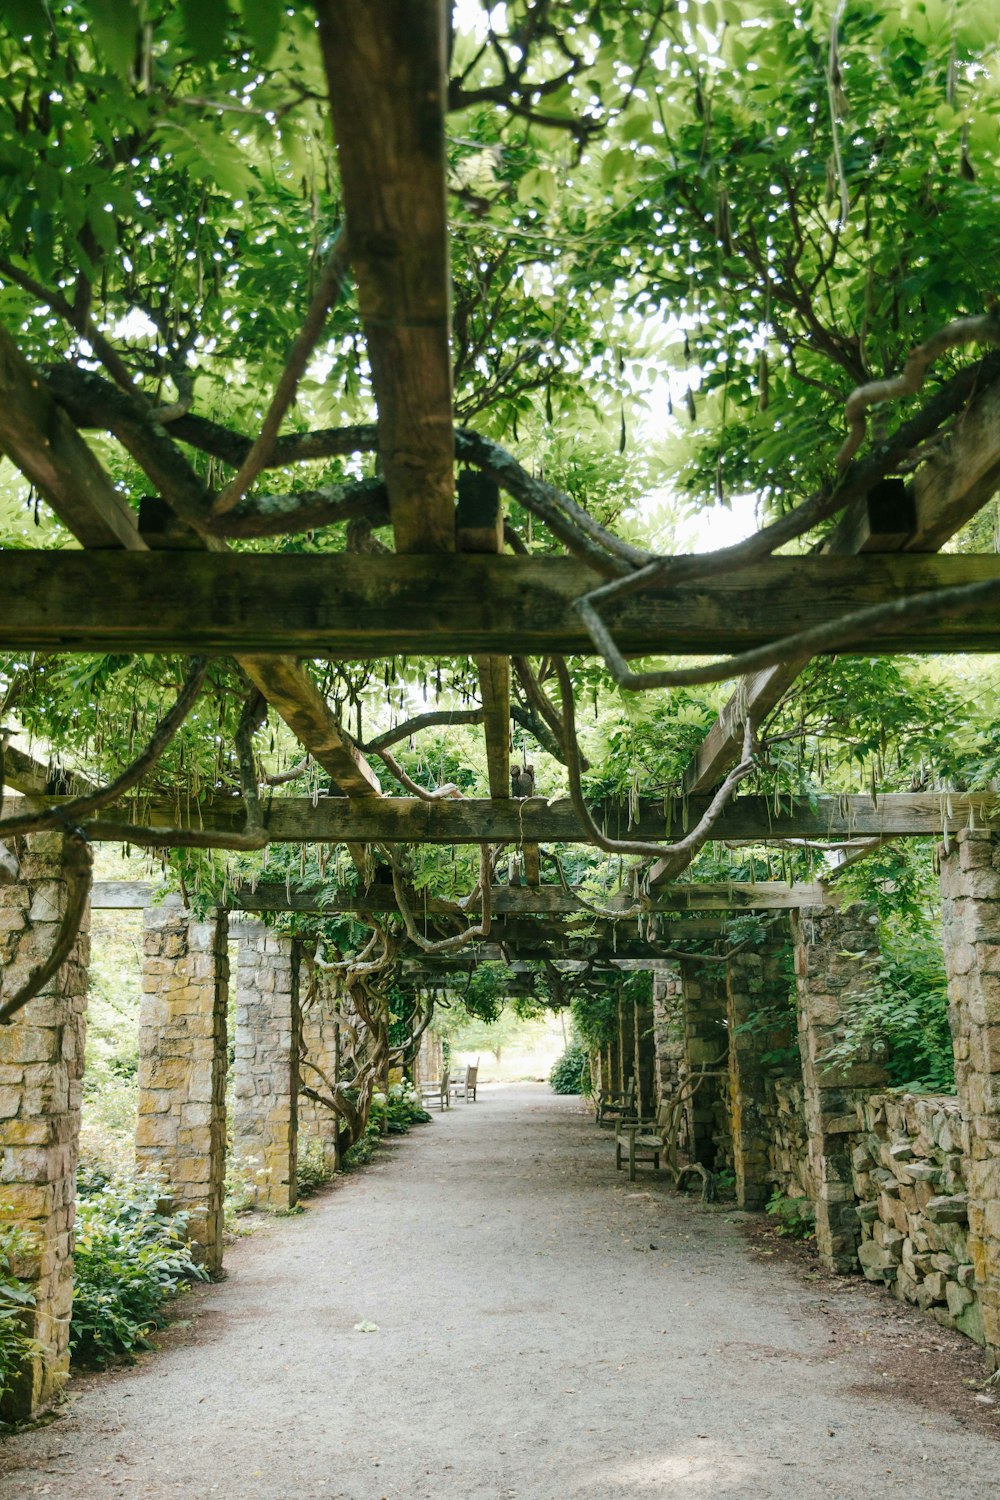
(41, 440)
(506, 900)
(480, 531)
(353, 607)
(25, 774)
(292, 693)
(954, 482)
(532, 865)
(494, 687)
(385, 63)
(409, 820)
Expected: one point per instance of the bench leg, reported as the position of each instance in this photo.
(618, 1155)
(631, 1158)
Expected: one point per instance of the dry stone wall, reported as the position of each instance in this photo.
(788, 1138)
(909, 1165)
(41, 1070)
(970, 888)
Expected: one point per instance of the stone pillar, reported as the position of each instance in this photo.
(321, 1047)
(181, 1133)
(834, 951)
(430, 1059)
(756, 986)
(626, 1035)
(645, 1058)
(668, 1032)
(41, 1068)
(704, 990)
(268, 1042)
(970, 888)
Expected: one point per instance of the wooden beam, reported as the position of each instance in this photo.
(506, 900)
(532, 865)
(480, 531)
(409, 820)
(354, 607)
(38, 436)
(25, 774)
(385, 63)
(494, 686)
(45, 445)
(292, 693)
(954, 482)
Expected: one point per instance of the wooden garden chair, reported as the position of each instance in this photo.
(656, 1140)
(437, 1093)
(612, 1106)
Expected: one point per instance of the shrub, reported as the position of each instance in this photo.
(130, 1259)
(571, 1074)
(16, 1301)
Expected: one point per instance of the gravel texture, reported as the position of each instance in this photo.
(544, 1329)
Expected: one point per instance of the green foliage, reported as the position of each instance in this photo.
(903, 1012)
(312, 1169)
(130, 1259)
(571, 1074)
(595, 1015)
(16, 1302)
(795, 1218)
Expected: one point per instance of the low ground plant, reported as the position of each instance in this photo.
(16, 1302)
(794, 1218)
(130, 1259)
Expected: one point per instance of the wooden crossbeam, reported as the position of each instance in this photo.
(355, 606)
(948, 489)
(41, 440)
(506, 900)
(385, 63)
(408, 820)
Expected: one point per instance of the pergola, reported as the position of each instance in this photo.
(162, 578)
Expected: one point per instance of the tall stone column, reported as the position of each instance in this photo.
(834, 951)
(970, 888)
(626, 1036)
(668, 1031)
(41, 1068)
(181, 1133)
(756, 986)
(704, 990)
(645, 1058)
(268, 1042)
(321, 1049)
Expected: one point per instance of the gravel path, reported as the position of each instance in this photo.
(545, 1329)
